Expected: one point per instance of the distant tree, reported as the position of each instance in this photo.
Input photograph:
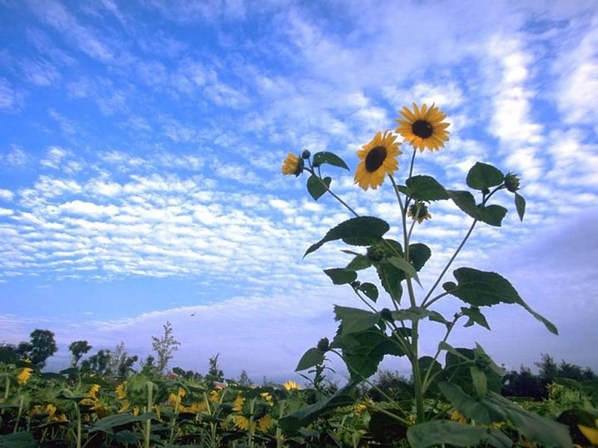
(121, 363)
(43, 345)
(214, 371)
(8, 353)
(187, 374)
(98, 363)
(523, 383)
(24, 350)
(244, 379)
(390, 384)
(148, 366)
(78, 349)
(164, 347)
(548, 368)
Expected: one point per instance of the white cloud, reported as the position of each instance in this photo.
(54, 157)
(11, 99)
(15, 157)
(576, 68)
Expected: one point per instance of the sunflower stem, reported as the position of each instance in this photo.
(347, 206)
(412, 162)
(425, 303)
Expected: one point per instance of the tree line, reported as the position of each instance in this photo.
(118, 364)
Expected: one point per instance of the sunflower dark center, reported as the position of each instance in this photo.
(422, 128)
(375, 158)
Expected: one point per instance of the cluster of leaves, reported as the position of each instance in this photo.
(465, 380)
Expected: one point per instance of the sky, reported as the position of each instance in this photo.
(141, 145)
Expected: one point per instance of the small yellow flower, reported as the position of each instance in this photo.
(242, 422)
(456, 416)
(51, 409)
(292, 165)
(264, 423)
(378, 158)
(423, 127)
(24, 375)
(121, 391)
(93, 390)
(238, 404)
(214, 396)
(360, 408)
(268, 397)
(291, 385)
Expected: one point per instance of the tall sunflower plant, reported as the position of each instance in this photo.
(452, 380)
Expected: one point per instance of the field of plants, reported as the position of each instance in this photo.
(77, 409)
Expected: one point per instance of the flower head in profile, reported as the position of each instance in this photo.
(419, 212)
(291, 385)
(378, 158)
(512, 182)
(423, 127)
(24, 375)
(292, 165)
(121, 391)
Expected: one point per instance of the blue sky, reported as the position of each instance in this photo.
(141, 145)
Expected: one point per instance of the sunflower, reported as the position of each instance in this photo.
(423, 127)
(292, 165)
(378, 158)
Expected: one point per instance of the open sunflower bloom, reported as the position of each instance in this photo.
(378, 158)
(423, 127)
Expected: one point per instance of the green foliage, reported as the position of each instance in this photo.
(467, 380)
(164, 347)
(78, 349)
(360, 231)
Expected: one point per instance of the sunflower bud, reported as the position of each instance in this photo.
(376, 252)
(419, 212)
(324, 345)
(512, 182)
(306, 154)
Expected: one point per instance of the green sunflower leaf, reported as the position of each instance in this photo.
(303, 417)
(426, 188)
(360, 231)
(475, 317)
(310, 358)
(405, 266)
(354, 319)
(330, 158)
(443, 432)
(419, 254)
(465, 201)
(317, 187)
(341, 276)
(492, 214)
(370, 290)
(391, 278)
(520, 204)
(480, 288)
(359, 262)
(364, 351)
(483, 176)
